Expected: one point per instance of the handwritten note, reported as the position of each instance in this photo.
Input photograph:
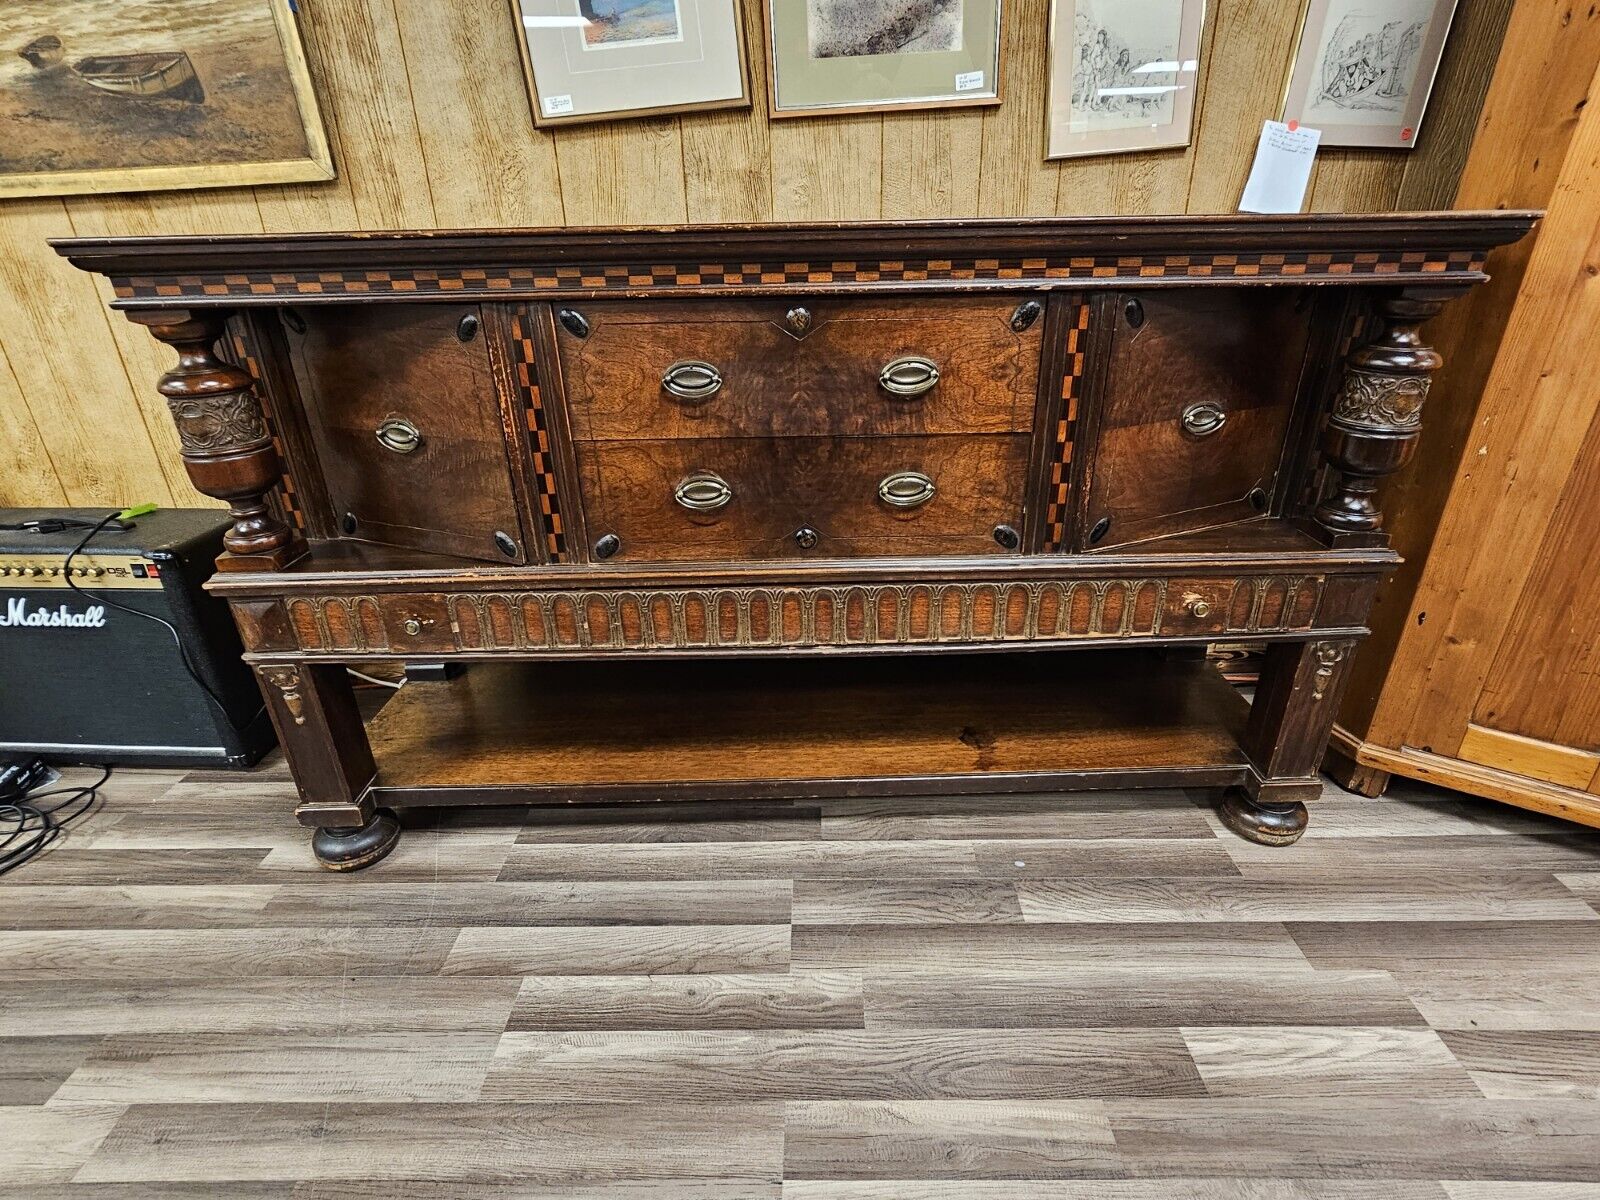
(1282, 169)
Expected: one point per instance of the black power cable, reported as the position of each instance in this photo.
(100, 597)
(27, 827)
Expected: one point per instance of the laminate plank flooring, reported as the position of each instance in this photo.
(1096, 997)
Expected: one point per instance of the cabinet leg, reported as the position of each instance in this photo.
(1267, 824)
(357, 847)
(1296, 702)
(313, 708)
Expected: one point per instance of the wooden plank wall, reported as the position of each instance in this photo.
(428, 118)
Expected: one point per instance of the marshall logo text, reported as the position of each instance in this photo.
(16, 613)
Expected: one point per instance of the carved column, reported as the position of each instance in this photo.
(1378, 414)
(226, 446)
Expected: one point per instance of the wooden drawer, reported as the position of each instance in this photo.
(1194, 410)
(825, 380)
(416, 367)
(778, 487)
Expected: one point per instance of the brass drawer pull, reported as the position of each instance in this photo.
(909, 376)
(1203, 419)
(906, 489)
(703, 492)
(399, 435)
(692, 380)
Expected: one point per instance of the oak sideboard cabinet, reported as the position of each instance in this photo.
(775, 511)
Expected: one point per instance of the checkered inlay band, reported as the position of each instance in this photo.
(527, 375)
(536, 280)
(288, 498)
(1061, 461)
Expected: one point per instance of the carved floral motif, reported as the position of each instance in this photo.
(1328, 655)
(287, 681)
(221, 422)
(1380, 401)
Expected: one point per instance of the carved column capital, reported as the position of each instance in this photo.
(227, 447)
(1377, 415)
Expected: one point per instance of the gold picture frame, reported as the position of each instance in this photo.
(717, 26)
(152, 92)
(959, 72)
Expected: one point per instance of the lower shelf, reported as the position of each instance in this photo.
(594, 732)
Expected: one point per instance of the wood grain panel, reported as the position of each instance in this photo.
(826, 383)
(779, 485)
(1539, 406)
(1540, 96)
(487, 165)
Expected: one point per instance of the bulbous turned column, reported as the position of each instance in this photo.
(1377, 417)
(227, 448)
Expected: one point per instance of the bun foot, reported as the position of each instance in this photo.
(1277, 825)
(352, 849)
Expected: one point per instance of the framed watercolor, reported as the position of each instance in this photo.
(844, 56)
(607, 60)
(161, 95)
(1123, 76)
(1365, 68)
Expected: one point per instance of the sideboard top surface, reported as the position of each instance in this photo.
(1440, 248)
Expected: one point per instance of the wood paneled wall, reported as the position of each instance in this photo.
(429, 122)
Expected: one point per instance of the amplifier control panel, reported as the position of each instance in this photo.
(106, 572)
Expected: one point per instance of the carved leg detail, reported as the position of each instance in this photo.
(313, 708)
(1377, 417)
(352, 849)
(1290, 721)
(226, 447)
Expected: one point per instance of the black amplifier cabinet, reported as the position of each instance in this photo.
(81, 681)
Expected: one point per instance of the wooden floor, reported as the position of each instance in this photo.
(1101, 997)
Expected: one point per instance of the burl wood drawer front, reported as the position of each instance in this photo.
(704, 369)
(1195, 406)
(751, 498)
(401, 405)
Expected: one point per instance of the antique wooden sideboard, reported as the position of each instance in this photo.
(784, 472)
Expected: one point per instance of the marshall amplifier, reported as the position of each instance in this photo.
(81, 680)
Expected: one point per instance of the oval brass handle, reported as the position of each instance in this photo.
(692, 380)
(1199, 608)
(1203, 419)
(703, 492)
(908, 376)
(906, 489)
(399, 435)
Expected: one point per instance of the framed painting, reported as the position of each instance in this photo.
(842, 56)
(1123, 75)
(604, 60)
(1365, 68)
(154, 95)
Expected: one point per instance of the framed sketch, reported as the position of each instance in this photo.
(840, 56)
(1123, 75)
(604, 60)
(162, 94)
(1365, 69)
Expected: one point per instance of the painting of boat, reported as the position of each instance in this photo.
(165, 75)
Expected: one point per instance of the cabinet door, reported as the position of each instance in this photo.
(402, 407)
(1193, 410)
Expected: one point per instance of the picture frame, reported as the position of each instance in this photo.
(1123, 77)
(1364, 69)
(835, 57)
(158, 97)
(611, 60)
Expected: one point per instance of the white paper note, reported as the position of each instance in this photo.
(1282, 169)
